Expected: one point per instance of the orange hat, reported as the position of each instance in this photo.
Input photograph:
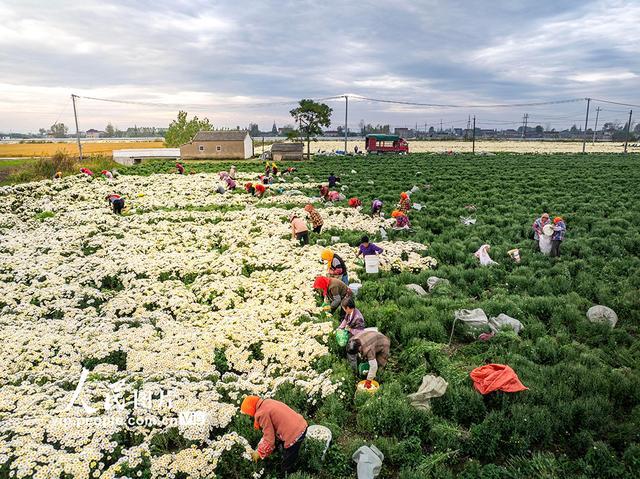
(309, 208)
(396, 213)
(249, 404)
(557, 219)
(404, 195)
(327, 255)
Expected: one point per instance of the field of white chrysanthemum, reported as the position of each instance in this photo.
(182, 305)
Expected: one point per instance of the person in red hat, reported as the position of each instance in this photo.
(559, 231)
(281, 427)
(180, 168)
(260, 189)
(405, 202)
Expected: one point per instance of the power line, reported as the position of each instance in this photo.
(226, 105)
(498, 105)
(615, 102)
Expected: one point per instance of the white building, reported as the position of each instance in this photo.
(134, 157)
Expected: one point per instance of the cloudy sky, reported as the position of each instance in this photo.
(223, 59)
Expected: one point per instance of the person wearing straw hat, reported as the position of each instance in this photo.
(232, 172)
(281, 427)
(336, 266)
(559, 231)
(299, 230)
(537, 229)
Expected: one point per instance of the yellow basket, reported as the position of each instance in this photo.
(372, 390)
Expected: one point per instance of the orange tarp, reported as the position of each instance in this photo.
(496, 377)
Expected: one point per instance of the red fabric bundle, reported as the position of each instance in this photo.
(496, 377)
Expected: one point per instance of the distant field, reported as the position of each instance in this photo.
(437, 146)
(48, 149)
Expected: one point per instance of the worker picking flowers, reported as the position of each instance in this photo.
(281, 427)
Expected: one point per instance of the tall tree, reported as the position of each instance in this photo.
(274, 129)
(254, 129)
(59, 130)
(181, 130)
(109, 131)
(311, 117)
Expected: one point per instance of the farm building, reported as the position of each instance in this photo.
(134, 157)
(92, 133)
(218, 144)
(287, 151)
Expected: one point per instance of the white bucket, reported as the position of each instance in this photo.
(371, 263)
(355, 288)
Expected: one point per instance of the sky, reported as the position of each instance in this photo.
(237, 62)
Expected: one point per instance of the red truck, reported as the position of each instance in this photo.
(378, 143)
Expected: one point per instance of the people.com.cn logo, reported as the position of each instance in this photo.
(116, 401)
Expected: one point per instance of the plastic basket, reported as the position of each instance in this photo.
(372, 390)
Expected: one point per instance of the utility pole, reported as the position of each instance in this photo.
(473, 147)
(626, 138)
(586, 121)
(525, 119)
(595, 127)
(75, 114)
(440, 126)
(263, 144)
(346, 121)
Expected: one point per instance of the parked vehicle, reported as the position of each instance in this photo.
(379, 143)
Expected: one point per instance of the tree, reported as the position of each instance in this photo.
(59, 130)
(539, 130)
(362, 127)
(274, 129)
(311, 117)
(109, 131)
(637, 129)
(181, 131)
(42, 132)
(254, 130)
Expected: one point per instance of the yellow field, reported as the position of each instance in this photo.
(48, 149)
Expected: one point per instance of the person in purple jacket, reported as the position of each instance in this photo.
(353, 320)
(367, 248)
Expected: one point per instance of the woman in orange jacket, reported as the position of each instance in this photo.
(280, 425)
